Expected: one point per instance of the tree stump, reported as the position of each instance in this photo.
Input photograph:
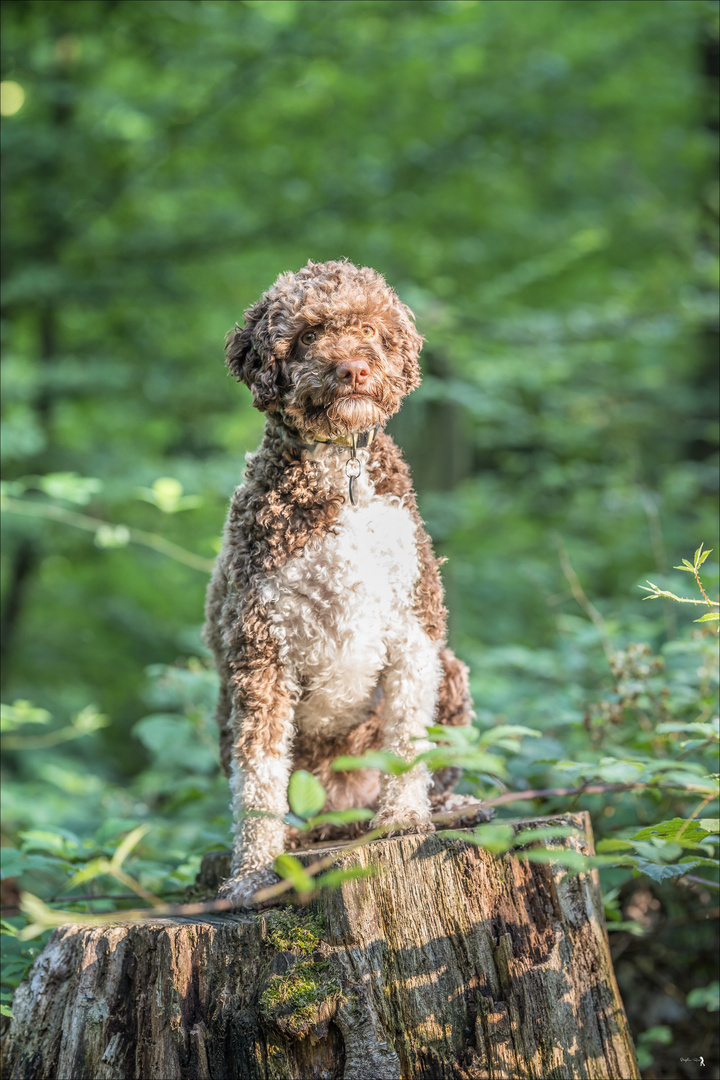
(449, 963)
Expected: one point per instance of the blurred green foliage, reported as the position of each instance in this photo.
(537, 180)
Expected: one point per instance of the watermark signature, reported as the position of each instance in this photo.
(700, 1059)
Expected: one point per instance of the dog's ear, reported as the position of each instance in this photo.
(249, 356)
(408, 343)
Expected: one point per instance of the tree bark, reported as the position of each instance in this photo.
(449, 963)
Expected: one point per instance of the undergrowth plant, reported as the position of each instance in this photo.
(639, 751)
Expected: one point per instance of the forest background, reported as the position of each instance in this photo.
(538, 182)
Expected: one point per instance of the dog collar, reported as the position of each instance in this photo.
(362, 439)
(356, 441)
(359, 440)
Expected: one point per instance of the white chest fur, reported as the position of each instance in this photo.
(337, 607)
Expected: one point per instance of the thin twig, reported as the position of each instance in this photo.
(42, 742)
(577, 590)
(90, 524)
(265, 896)
(464, 811)
(708, 601)
(649, 505)
(698, 881)
(85, 897)
(586, 789)
(671, 596)
(108, 896)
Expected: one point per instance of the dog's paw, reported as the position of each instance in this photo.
(402, 823)
(241, 890)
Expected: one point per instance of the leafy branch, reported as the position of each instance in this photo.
(648, 851)
(106, 534)
(655, 592)
(86, 722)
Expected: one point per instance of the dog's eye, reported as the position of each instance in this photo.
(368, 331)
(309, 336)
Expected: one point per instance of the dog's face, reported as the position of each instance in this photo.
(330, 350)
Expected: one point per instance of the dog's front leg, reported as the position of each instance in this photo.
(259, 774)
(410, 683)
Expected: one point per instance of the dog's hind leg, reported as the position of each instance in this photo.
(454, 707)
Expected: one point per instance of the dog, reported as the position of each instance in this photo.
(325, 609)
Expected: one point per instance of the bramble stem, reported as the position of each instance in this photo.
(91, 524)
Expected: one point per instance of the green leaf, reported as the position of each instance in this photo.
(341, 817)
(306, 794)
(167, 494)
(123, 849)
(710, 731)
(544, 832)
(616, 771)
(331, 879)
(659, 1034)
(494, 838)
(709, 824)
(664, 872)
(660, 851)
(460, 736)
(15, 863)
(110, 829)
(503, 731)
(12, 862)
(572, 860)
(69, 487)
(92, 869)
(705, 997)
(440, 757)
(710, 616)
(668, 830)
(60, 842)
(22, 712)
(112, 536)
(5, 1010)
(611, 844)
(373, 759)
(89, 720)
(40, 916)
(292, 870)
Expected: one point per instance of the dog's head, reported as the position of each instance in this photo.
(331, 350)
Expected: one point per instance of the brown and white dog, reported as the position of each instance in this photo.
(325, 610)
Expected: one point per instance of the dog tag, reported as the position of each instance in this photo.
(352, 471)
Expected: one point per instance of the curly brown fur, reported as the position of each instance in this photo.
(326, 352)
(279, 508)
(297, 381)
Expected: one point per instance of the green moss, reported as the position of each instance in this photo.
(299, 995)
(294, 1001)
(292, 931)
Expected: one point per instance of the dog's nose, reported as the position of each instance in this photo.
(353, 372)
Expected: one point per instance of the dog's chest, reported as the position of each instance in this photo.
(335, 607)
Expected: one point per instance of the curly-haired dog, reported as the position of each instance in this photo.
(325, 611)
